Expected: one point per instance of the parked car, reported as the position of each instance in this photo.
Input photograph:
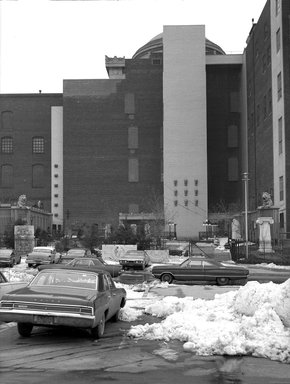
(42, 255)
(73, 253)
(90, 262)
(135, 259)
(197, 269)
(9, 257)
(64, 297)
(6, 286)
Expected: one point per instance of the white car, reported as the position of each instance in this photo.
(42, 255)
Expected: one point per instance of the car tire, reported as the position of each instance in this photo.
(166, 278)
(98, 331)
(24, 329)
(222, 280)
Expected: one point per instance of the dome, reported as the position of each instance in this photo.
(155, 45)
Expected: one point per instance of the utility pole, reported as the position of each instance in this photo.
(246, 180)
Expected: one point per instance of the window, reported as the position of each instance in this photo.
(37, 176)
(175, 193)
(156, 61)
(185, 183)
(55, 185)
(232, 136)
(55, 165)
(6, 176)
(278, 40)
(56, 205)
(281, 188)
(7, 145)
(279, 86)
(233, 169)
(185, 192)
(38, 145)
(56, 195)
(186, 203)
(133, 170)
(175, 203)
(196, 203)
(196, 183)
(133, 137)
(282, 225)
(280, 136)
(195, 192)
(175, 183)
(130, 103)
(56, 175)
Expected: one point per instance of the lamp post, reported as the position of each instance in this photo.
(246, 180)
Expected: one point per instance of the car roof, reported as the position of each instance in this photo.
(78, 268)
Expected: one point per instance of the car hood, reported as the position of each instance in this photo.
(50, 294)
(33, 254)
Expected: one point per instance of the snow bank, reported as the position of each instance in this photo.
(253, 321)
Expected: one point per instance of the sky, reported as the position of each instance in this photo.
(43, 42)
(237, 322)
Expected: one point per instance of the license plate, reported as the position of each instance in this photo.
(45, 320)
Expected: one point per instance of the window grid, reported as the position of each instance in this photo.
(38, 145)
(7, 145)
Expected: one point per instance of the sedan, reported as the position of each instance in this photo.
(42, 255)
(134, 259)
(73, 253)
(8, 257)
(200, 269)
(90, 262)
(64, 297)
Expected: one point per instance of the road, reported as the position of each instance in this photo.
(65, 356)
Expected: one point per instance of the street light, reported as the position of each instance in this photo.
(246, 180)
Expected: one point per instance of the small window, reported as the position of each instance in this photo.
(282, 225)
(55, 165)
(186, 203)
(130, 103)
(195, 192)
(279, 86)
(133, 137)
(196, 203)
(185, 183)
(38, 145)
(280, 135)
(55, 215)
(175, 203)
(7, 145)
(175, 193)
(56, 205)
(278, 40)
(232, 136)
(56, 195)
(56, 185)
(281, 188)
(56, 175)
(175, 183)
(156, 61)
(185, 192)
(133, 170)
(196, 183)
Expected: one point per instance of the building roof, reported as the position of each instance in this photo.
(155, 45)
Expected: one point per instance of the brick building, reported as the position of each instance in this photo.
(180, 121)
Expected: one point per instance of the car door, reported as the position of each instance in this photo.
(191, 270)
(211, 270)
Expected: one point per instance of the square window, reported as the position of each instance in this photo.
(56, 195)
(55, 165)
(56, 185)
(56, 205)
(56, 175)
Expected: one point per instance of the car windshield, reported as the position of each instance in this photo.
(75, 252)
(42, 250)
(72, 279)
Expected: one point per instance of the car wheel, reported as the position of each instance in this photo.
(222, 280)
(99, 330)
(24, 329)
(167, 278)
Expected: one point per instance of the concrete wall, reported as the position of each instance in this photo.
(184, 137)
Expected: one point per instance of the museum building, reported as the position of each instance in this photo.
(175, 123)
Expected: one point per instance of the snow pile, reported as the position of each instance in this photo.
(253, 320)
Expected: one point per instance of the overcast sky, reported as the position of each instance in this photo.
(43, 42)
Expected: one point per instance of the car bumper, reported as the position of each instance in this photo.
(47, 318)
(37, 262)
